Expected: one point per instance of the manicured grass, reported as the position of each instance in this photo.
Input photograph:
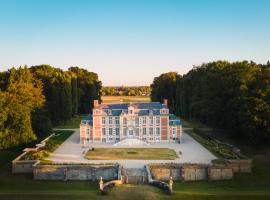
(118, 99)
(131, 154)
(72, 123)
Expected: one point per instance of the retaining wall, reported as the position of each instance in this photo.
(220, 172)
(26, 166)
(164, 171)
(191, 172)
(241, 165)
(75, 172)
(194, 172)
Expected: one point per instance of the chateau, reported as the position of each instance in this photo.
(150, 122)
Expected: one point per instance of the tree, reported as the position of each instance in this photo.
(23, 95)
(232, 96)
(89, 86)
(164, 87)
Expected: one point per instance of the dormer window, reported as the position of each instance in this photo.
(110, 112)
(130, 110)
(164, 111)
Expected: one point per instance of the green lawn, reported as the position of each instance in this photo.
(72, 123)
(131, 154)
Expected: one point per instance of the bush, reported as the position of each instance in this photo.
(38, 155)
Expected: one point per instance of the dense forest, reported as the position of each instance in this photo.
(126, 91)
(34, 99)
(230, 96)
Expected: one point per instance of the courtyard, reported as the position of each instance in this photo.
(189, 151)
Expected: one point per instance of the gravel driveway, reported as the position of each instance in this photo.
(191, 152)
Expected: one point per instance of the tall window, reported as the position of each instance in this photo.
(174, 131)
(103, 120)
(144, 131)
(144, 120)
(117, 131)
(103, 131)
(151, 131)
(110, 131)
(151, 120)
(125, 121)
(117, 120)
(157, 120)
(157, 131)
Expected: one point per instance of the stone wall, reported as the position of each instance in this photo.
(19, 165)
(23, 166)
(194, 172)
(163, 172)
(241, 165)
(75, 172)
(220, 172)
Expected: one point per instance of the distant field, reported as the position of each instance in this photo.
(116, 99)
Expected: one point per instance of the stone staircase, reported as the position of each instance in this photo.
(134, 175)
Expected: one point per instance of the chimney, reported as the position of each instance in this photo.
(96, 103)
(166, 102)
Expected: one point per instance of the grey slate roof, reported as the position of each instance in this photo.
(142, 109)
(173, 120)
(121, 106)
(87, 120)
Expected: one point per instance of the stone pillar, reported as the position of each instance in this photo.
(65, 174)
(101, 184)
(171, 184)
(126, 179)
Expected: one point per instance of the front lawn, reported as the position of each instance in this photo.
(131, 154)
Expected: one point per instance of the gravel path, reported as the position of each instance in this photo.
(191, 152)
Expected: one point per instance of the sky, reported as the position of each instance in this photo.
(129, 42)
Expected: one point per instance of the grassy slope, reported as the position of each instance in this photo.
(131, 153)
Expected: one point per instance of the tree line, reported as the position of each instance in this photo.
(234, 96)
(33, 99)
(126, 91)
